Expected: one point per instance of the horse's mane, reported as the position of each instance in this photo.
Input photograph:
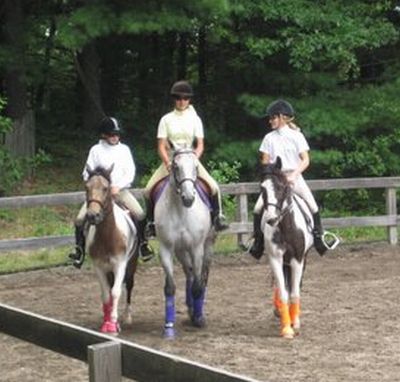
(100, 171)
(271, 170)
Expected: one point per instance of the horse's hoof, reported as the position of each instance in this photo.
(287, 332)
(296, 327)
(199, 322)
(110, 327)
(127, 319)
(169, 333)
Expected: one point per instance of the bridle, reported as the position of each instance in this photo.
(282, 211)
(179, 182)
(101, 203)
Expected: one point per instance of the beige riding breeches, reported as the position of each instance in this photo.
(162, 172)
(125, 198)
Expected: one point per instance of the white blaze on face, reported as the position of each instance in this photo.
(272, 211)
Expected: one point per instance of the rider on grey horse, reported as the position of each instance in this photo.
(109, 151)
(287, 142)
(182, 127)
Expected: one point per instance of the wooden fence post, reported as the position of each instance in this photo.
(241, 216)
(105, 362)
(391, 209)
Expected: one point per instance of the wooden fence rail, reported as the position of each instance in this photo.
(105, 358)
(241, 191)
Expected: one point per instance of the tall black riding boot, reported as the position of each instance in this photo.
(150, 229)
(257, 249)
(218, 219)
(318, 233)
(146, 252)
(78, 256)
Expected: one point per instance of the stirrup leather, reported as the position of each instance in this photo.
(330, 240)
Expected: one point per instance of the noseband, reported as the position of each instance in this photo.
(99, 202)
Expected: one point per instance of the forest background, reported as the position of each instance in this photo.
(65, 63)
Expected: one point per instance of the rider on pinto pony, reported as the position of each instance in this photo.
(109, 151)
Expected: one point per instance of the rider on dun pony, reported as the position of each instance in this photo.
(287, 142)
(110, 152)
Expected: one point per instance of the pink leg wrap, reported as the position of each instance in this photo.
(107, 310)
(110, 327)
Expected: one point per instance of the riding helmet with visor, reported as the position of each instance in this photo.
(182, 89)
(279, 107)
(109, 126)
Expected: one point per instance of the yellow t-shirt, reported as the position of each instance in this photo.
(181, 127)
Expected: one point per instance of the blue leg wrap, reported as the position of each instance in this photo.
(198, 304)
(170, 309)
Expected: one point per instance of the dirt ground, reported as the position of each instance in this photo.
(350, 321)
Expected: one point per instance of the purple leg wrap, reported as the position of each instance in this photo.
(169, 309)
(189, 297)
(198, 304)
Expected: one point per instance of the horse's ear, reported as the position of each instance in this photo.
(89, 170)
(278, 163)
(109, 170)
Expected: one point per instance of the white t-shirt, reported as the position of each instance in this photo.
(105, 155)
(286, 143)
(181, 127)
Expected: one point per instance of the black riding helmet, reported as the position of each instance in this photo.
(109, 126)
(181, 89)
(278, 107)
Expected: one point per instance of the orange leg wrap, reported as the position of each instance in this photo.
(285, 317)
(277, 299)
(294, 311)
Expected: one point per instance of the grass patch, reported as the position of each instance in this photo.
(28, 260)
(37, 221)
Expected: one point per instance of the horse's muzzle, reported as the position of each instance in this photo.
(273, 221)
(187, 202)
(94, 217)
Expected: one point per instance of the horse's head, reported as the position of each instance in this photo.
(275, 191)
(98, 194)
(184, 171)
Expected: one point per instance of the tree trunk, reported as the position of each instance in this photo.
(88, 66)
(202, 70)
(182, 56)
(21, 140)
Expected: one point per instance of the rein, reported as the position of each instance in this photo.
(283, 212)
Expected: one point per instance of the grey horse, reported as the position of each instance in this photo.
(184, 229)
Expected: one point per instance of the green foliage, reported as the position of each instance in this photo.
(225, 172)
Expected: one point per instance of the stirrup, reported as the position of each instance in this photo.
(330, 240)
(220, 223)
(78, 257)
(146, 252)
(150, 230)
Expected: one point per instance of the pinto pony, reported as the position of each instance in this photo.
(112, 243)
(183, 226)
(287, 227)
